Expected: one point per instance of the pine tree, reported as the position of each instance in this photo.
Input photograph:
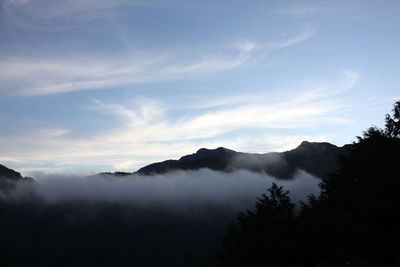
(256, 238)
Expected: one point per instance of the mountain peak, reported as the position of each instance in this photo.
(9, 178)
(314, 145)
(313, 157)
(9, 173)
(215, 153)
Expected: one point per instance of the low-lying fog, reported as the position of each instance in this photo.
(175, 219)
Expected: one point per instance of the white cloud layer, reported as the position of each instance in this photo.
(147, 133)
(174, 190)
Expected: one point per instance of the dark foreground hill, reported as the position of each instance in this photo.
(318, 159)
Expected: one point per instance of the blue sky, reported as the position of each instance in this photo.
(98, 85)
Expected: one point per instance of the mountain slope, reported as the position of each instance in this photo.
(9, 173)
(9, 177)
(315, 158)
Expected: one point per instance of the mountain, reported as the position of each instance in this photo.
(215, 159)
(318, 159)
(9, 173)
(9, 177)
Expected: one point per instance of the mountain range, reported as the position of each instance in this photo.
(315, 158)
(98, 223)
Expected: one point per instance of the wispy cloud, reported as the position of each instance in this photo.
(146, 132)
(246, 45)
(262, 48)
(251, 45)
(55, 14)
(307, 33)
(299, 10)
(52, 75)
(352, 77)
(348, 10)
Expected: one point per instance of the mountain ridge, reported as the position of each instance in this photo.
(317, 158)
(9, 178)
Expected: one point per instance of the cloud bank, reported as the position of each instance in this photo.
(180, 189)
(177, 219)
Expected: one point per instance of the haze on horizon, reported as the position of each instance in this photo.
(96, 85)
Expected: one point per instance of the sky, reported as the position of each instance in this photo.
(96, 85)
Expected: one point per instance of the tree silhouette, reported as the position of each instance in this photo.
(359, 202)
(393, 123)
(257, 234)
(353, 222)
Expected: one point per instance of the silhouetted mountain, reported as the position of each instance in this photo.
(9, 173)
(315, 158)
(9, 177)
(118, 174)
(215, 159)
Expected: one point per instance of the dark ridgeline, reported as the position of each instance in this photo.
(215, 159)
(9, 178)
(9, 173)
(353, 222)
(315, 158)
